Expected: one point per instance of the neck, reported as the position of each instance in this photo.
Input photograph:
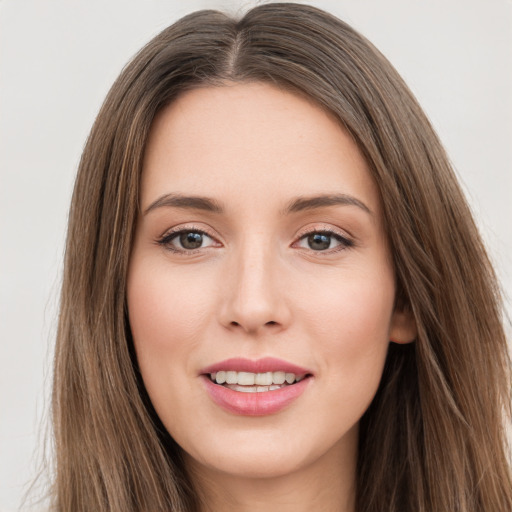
(327, 484)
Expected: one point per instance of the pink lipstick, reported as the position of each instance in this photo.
(255, 388)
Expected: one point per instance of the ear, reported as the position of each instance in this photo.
(403, 327)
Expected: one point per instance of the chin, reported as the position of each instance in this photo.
(268, 453)
(250, 463)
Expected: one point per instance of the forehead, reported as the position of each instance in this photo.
(245, 142)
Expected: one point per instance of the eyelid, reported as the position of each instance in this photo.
(169, 235)
(323, 227)
(346, 241)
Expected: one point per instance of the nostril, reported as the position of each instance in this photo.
(237, 324)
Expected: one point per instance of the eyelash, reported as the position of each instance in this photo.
(165, 240)
(345, 242)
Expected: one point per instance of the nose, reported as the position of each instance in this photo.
(254, 299)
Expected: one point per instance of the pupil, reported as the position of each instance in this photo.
(191, 240)
(318, 241)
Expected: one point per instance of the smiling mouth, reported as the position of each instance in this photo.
(247, 382)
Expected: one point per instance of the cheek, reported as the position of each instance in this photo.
(164, 309)
(353, 307)
(167, 314)
(350, 322)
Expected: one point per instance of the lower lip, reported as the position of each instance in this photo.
(254, 404)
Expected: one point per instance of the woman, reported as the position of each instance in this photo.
(274, 292)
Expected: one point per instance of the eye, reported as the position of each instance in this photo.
(186, 240)
(324, 241)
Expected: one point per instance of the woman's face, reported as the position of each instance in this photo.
(260, 256)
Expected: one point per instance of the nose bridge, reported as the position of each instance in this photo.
(254, 296)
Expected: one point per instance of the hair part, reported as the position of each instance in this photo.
(434, 436)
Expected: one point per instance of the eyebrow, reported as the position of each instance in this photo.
(320, 201)
(299, 204)
(188, 202)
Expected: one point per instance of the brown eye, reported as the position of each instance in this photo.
(191, 240)
(324, 241)
(186, 240)
(319, 241)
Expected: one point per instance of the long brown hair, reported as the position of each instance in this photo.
(434, 438)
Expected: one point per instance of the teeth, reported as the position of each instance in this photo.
(245, 379)
(278, 377)
(263, 379)
(243, 389)
(231, 378)
(254, 389)
(290, 378)
(266, 380)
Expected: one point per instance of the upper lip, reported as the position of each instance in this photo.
(263, 365)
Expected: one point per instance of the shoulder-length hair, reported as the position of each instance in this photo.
(434, 437)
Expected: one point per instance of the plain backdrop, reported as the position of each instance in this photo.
(58, 58)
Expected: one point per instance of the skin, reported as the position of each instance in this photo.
(256, 288)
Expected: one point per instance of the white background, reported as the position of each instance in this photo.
(59, 57)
